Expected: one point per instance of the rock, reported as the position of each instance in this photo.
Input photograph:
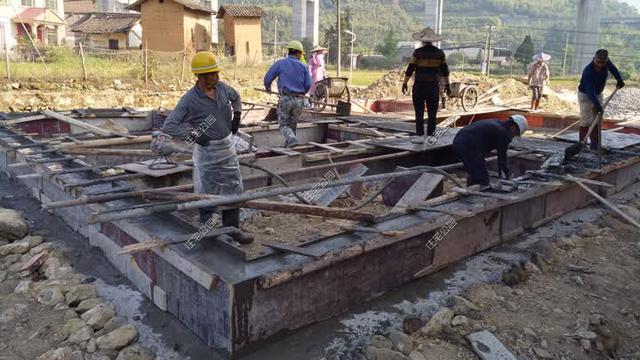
(532, 268)
(118, 338)
(50, 296)
(70, 314)
(60, 307)
(14, 86)
(3, 275)
(117, 84)
(596, 319)
(544, 344)
(88, 304)
(585, 344)
(98, 316)
(33, 241)
(92, 346)
(12, 313)
(543, 264)
(63, 353)
(412, 324)
(17, 248)
(566, 243)
(542, 353)
(511, 306)
(80, 292)
(12, 226)
(459, 320)
(438, 322)
(585, 334)
(529, 332)
(381, 342)
(401, 342)
(11, 259)
(383, 354)
(416, 356)
(134, 352)
(72, 326)
(480, 294)
(517, 274)
(83, 334)
(40, 248)
(23, 287)
(462, 306)
(578, 280)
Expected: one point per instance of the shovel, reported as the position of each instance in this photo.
(575, 149)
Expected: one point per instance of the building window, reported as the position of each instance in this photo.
(52, 4)
(27, 2)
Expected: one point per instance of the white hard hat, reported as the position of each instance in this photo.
(521, 121)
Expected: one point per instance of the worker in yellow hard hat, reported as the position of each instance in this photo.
(207, 108)
(294, 81)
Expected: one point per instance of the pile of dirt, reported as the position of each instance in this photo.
(625, 104)
(388, 86)
(512, 88)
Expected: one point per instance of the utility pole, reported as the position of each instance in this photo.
(564, 61)
(487, 49)
(339, 34)
(275, 41)
(353, 40)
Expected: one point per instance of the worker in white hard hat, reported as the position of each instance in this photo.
(294, 82)
(474, 142)
(212, 109)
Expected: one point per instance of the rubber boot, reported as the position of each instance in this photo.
(594, 138)
(583, 132)
(537, 104)
(533, 104)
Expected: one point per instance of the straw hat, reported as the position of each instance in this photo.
(427, 35)
(541, 57)
(319, 48)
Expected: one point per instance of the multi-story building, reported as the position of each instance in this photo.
(41, 20)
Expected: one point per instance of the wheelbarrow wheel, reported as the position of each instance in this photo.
(320, 97)
(469, 98)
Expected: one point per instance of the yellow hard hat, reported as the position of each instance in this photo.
(295, 45)
(204, 62)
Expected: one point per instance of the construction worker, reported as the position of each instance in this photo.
(474, 142)
(294, 81)
(429, 65)
(538, 77)
(594, 78)
(213, 109)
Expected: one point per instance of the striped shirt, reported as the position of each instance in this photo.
(428, 63)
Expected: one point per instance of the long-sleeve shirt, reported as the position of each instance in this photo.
(593, 81)
(489, 135)
(293, 76)
(209, 116)
(538, 74)
(429, 64)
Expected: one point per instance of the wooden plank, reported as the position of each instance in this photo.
(420, 190)
(488, 347)
(325, 196)
(359, 144)
(23, 120)
(143, 168)
(107, 152)
(291, 249)
(608, 204)
(285, 151)
(152, 244)
(484, 194)
(106, 142)
(332, 149)
(78, 123)
(356, 130)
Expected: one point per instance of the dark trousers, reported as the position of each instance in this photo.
(473, 159)
(426, 93)
(230, 217)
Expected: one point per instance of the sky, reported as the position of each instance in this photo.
(635, 3)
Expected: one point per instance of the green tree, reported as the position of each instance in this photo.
(456, 58)
(389, 45)
(524, 53)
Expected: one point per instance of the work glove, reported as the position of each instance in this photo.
(447, 89)
(598, 108)
(405, 88)
(235, 123)
(620, 84)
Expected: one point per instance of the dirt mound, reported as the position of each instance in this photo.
(388, 86)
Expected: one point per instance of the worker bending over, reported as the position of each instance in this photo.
(594, 78)
(294, 81)
(474, 142)
(208, 107)
(429, 65)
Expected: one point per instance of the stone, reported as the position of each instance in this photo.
(585, 344)
(566, 243)
(118, 338)
(438, 322)
(269, 231)
(529, 332)
(542, 353)
(72, 326)
(532, 268)
(80, 292)
(544, 344)
(596, 319)
(11, 259)
(480, 294)
(33, 241)
(459, 320)
(12, 313)
(70, 314)
(88, 304)
(16, 248)
(134, 352)
(412, 324)
(112, 324)
(383, 354)
(23, 287)
(117, 84)
(578, 280)
(41, 248)
(462, 306)
(401, 342)
(585, 334)
(83, 334)
(60, 307)
(12, 225)
(381, 342)
(50, 296)
(3, 276)
(63, 353)
(14, 86)
(92, 346)
(511, 306)
(98, 316)
(416, 356)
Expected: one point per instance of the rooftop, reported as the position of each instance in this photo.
(240, 10)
